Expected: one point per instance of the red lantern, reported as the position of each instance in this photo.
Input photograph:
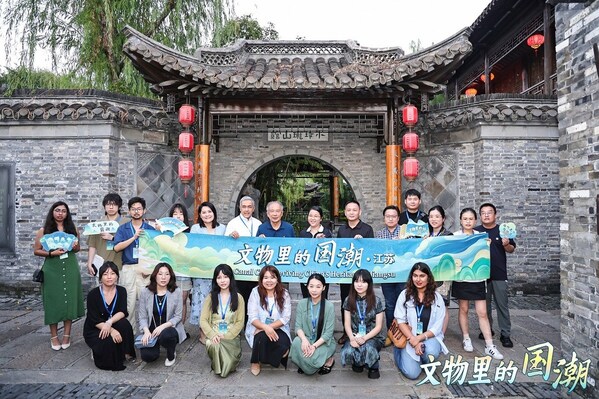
(483, 77)
(410, 142)
(186, 142)
(187, 115)
(185, 170)
(410, 168)
(536, 41)
(471, 92)
(410, 115)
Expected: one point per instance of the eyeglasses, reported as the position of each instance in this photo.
(136, 209)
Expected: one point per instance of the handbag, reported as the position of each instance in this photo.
(139, 343)
(396, 336)
(38, 276)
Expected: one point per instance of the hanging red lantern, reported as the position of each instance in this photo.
(536, 41)
(410, 115)
(187, 115)
(471, 92)
(411, 167)
(186, 142)
(483, 77)
(410, 142)
(185, 170)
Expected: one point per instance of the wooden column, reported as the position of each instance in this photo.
(202, 176)
(487, 74)
(202, 157)
(393, 150)
(393, 174)
(335, 197)
(547, 49)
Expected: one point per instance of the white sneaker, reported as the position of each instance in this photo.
(170, 363)
(468, 345)
(493, 352)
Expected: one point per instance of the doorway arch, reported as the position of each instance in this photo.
(316, 164)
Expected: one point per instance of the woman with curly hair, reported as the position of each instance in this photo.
(420, 312)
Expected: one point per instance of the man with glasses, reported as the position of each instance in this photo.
(126, 240)
(497, 287)
(391, 291)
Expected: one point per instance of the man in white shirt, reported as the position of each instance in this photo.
(244, 225)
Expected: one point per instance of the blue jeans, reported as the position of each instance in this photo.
(391, 292)
(410, 367)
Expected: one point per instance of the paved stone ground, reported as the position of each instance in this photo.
(30, 369)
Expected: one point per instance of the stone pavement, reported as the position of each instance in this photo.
(30, 369)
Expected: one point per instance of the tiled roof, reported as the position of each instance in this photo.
(285, 66)
(65, 105)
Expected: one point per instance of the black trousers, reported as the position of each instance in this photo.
(168, 339)
(270, 352)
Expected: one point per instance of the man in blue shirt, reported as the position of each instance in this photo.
(275, 226)
(126, 240)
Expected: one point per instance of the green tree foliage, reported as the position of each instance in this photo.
(24, 78)
(85, 39)
(244, 27)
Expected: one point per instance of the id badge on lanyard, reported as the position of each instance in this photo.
(223, 327)
(362, 328)
(109, 245)
(64, 256)
(135, 252)
(419, 324)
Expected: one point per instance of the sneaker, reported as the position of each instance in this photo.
(170, 363)
(493, 352)
(506, 341)
(374, 374)
(481, 336)
(468, 345)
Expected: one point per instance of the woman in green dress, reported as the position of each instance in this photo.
(61, 290)
(313, 348)
(222, 319)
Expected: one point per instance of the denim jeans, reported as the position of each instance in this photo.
(391, 292)
(410, 367)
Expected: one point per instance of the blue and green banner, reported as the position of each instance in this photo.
(196, 255)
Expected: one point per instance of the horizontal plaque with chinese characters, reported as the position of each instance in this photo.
(298, 134)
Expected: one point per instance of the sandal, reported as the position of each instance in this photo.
(65, 346)
(55, 347)
(326, 369)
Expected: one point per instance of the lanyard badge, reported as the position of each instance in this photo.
(419, 324)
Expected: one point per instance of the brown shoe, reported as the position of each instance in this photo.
(255, 368)
(343, 339)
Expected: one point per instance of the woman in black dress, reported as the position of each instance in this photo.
(107, 331)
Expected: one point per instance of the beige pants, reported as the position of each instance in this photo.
(133, 282)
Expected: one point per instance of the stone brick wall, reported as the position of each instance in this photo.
(578, 101)
(519, 174)
(74, 162)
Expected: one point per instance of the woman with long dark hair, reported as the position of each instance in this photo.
(363, 325)
(420, 312)
(179, 212)
(222, 320)
(207, 223)
(159, 313)
(106, 330)
(62, 294)
(314, 346)
(267, 329)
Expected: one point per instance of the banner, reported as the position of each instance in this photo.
(196, 255)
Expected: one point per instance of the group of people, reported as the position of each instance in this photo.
(127, 302)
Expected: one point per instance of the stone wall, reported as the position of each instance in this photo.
(578, 101)
(77, 160)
